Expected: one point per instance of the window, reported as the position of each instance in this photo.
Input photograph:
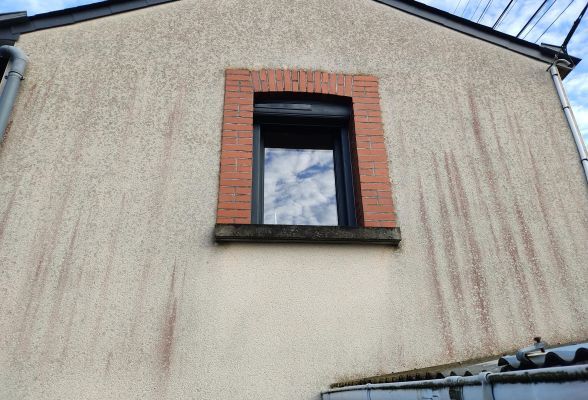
(303, 158)
(302, 171)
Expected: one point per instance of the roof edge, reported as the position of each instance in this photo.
(12, 27)
(476, 30)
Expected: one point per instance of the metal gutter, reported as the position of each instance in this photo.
(17, 61)
(538, 384)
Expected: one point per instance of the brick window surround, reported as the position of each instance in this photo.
(373, 192)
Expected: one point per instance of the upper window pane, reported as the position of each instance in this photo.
(299, 187)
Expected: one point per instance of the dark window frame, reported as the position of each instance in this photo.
(325, 119)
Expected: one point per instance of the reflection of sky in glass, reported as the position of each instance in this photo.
(299, 187)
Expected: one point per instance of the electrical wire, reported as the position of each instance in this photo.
(554, 21)
(532, 16)
(485, 9)
(540, 18)
(457, 6)
(474, 13)
(504, 13)
(465, 8)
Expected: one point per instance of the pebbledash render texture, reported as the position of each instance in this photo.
(373, 190)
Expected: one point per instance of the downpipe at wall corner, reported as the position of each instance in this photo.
(17, 63)
(569, 114)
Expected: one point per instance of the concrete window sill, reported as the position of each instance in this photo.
(305, 234)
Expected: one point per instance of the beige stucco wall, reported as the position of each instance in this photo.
(111, 285)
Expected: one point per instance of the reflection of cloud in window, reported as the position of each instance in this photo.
(299, 187)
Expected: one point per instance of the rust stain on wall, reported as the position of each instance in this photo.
(451, 260)
(478, 281)
(158, 205)
(60, 292)
(6, 213)
(528, 240)
(561, 270)
(105, 284)
(442, 314)
(46, 242)
(508, 237)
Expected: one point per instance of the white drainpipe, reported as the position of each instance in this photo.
(567, 109)
(17, 63)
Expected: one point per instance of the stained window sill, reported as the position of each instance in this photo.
(305, 234)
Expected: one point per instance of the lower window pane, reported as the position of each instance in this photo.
(299, 187)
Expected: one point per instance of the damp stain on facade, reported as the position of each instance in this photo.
(112, 286)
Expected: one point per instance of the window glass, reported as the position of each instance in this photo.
(299, 187)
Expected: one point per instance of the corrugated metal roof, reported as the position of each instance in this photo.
(540, 358)
(559, 356)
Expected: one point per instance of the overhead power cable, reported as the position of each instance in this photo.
(465, 8)
(457, 6)
(475, 10)
(503, 14)
(533, 16)
(540, 18)
(554, 21)
(485, 9)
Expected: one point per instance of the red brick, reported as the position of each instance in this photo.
(239, 134)
(279, 80)
(359, 83)
(234, 213)
(236, 154)
(235, 182)
(225, 220)
(366, 100)
(231, 107)
(236, 147)
(272, 80)
(237, 127)
(228, 190)
(373, 179)
(380, 224)
(256, 81)
(348, 85)
(317, 82)
(239, 95)
(244, 162)
(371, 113)
(375, 185)
(229, 140)
(236, 101)
(303, 81)
(361, 94)
(370, 152)
(238, 82)
(332, 83)
(368, 125)
(237, 120)
(378, 209)
(225, 205)
(369, 132)
(385, 200)
(287, 81)
(243, 190)
(245, 140)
